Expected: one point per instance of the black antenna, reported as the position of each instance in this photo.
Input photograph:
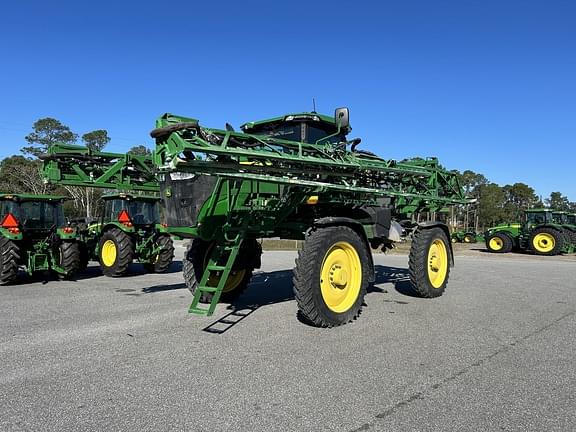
(314, 105)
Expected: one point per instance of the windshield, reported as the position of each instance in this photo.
(140, 212)
(559, 218)
(35, 214)
(281, 130)
(538, 217)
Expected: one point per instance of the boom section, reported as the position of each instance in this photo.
(73, 165)
(415, 185)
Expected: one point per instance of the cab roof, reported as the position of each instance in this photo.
(32, 197)
(302, 116)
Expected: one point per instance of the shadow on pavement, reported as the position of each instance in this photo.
(276, 287)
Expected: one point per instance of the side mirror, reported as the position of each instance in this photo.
(342, 118)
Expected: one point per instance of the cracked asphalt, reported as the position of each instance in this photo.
(496, 352)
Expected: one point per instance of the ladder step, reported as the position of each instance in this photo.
(207, 289)
(198, 311)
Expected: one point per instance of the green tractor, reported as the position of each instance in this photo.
(539, 233)
(129, 228)
(34, 235)
(568, 222)
(466, 236)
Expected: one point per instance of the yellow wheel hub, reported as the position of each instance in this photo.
(437, 263)
(340, 277)
(544, 242)
(108, 253)
(496, 243)
(235, 277)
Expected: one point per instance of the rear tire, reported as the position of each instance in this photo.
(69, 258)
(164, 258)
(499, 242)
(196, 259)
(469, 238)
(429, 262)
(331, 276)
(546, 241)
(9, 259)
(115, 252)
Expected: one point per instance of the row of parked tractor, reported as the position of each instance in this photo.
(542, 232)
(35, 235)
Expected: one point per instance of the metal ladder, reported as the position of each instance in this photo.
(226, 251)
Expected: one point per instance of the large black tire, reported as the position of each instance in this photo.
(9, 260)
(469, 238)
(163, 260)
(68, 258)
(499, 242)
(546, 241)
(196, 259)
(331, 276)
(117, 240)
(429, 262)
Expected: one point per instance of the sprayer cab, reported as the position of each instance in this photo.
(305, 127)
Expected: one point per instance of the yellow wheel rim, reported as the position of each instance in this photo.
(340, 277)
(467, 239)
(544, 242)
(496, 243)
(234, 278)
(108, 253)
(437, 263)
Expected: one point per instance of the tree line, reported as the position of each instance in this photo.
(498, 204)
(21, 174)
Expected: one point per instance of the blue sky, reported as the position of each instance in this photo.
(483, 85)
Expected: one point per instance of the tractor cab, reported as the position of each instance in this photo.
(560, 217)
(571, 219)
(305, 127)
(536, 217)
(131, 210)
(32, 216)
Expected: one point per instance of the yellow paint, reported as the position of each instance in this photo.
(496, 243)
(108, 253)
(544, 242)
(340, 277)
(437, 263)
(312, 200)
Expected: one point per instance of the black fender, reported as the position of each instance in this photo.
(357, 227)
(443, 227)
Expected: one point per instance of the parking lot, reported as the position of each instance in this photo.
(496, 352)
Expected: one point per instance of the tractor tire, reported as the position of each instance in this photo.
(546, 241)
(84, 256)
(69, 258)
(9, 259)
(196, 260)
(429, 262)
(164, 258)
(469, 238)
(115, 252)
(331, 276)
(499, 242)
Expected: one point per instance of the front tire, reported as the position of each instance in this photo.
(162, 261)
(331, 276)
(499, 242)
(546, 241)
(9, 259)
(429, 262)
(115, 252)
(196, 259)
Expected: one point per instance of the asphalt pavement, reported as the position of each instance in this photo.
(496, 352)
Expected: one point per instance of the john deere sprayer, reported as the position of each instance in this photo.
(129, 227)
(541, 232)
(34, 236)
(297, 177)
